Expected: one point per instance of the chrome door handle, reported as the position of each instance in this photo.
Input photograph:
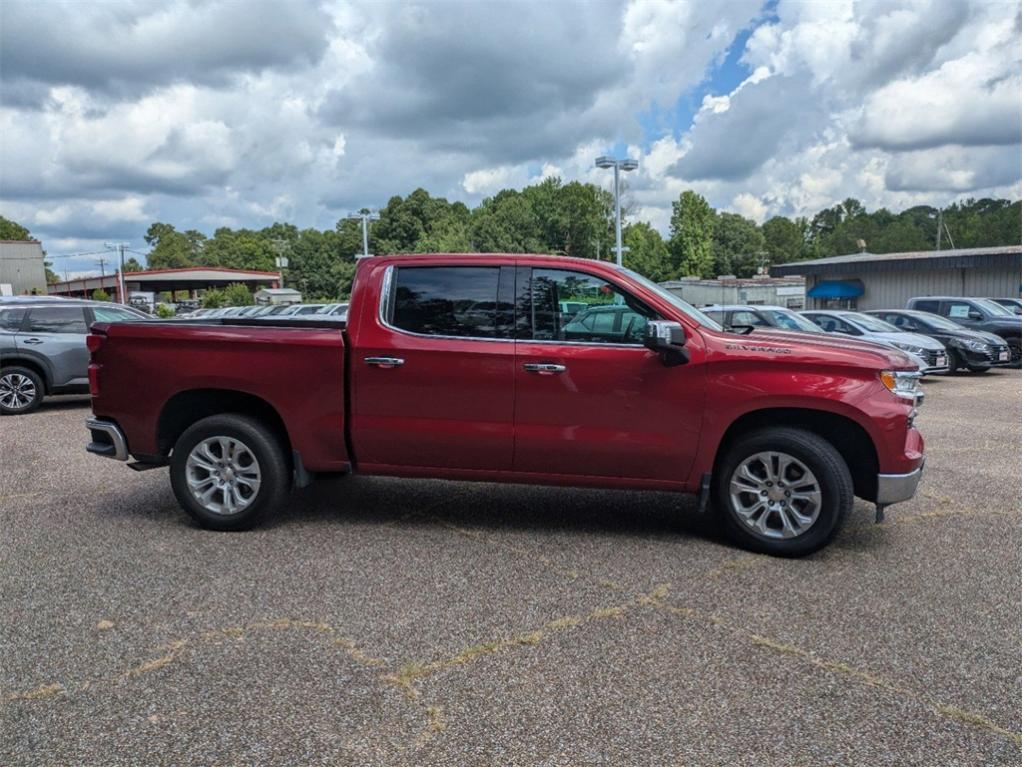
(384, 362)
(545, 368)
(32, 341)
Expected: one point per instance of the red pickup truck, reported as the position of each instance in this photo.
(513, 368)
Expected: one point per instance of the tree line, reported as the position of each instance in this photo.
(576, 219)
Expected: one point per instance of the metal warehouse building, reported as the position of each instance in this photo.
(888, 280)
(21, 267)
(788, 291)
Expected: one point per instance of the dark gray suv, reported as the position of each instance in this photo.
(42, 348)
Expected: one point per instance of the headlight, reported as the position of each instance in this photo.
(916, 350)
(976, 346)
(902, 384)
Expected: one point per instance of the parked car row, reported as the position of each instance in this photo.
(334, 311)
(944, 334)
(42, 341)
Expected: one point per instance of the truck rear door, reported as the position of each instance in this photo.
(432, 368)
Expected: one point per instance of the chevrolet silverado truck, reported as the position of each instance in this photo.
(513, 368)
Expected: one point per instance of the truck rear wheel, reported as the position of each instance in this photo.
(783, 491)
(229, 471)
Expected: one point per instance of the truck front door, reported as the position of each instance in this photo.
(590, 399)
(432, 370)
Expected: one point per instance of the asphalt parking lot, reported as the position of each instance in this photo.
(395, 622)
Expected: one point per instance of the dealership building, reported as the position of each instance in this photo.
(887, 280)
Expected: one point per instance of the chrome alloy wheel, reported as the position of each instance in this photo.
(223, 475)
(17, 391)
(775, 495)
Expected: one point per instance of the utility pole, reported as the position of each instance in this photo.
(122, 296)
(365, 217)
(940, 225)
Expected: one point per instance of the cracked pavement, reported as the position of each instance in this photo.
(389, 622)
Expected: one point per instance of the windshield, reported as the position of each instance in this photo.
(675, 301)
(872, 324)
(993, 307)
(788, 320)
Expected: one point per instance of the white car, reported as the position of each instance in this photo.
(930, 354)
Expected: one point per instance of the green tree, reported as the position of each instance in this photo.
(237, 294)
(100, 295)
(11, 230)
(691, 241)
(647, 252)
(783, 240)
(738, 245)
(239, 249)
(213, 298)
(171, 249)
(132, 265)
(506, 223)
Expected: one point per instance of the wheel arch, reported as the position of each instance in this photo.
(36, 366)
(849, 438)
(188, 407)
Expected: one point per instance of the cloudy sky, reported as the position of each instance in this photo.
(205, 113)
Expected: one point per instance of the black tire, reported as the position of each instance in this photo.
(979, 368)
(820, 457)
(954, 361)
(263, 445)
(15, 381)
(1015, 347)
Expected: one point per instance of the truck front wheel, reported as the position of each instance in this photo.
(782, 491)
(229, 471)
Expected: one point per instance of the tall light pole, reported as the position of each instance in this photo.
(625, 164)
(365, 218)
(280, 247)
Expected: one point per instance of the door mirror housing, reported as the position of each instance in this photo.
(667, 339)
(975, 315)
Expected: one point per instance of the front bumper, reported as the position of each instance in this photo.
(107, 439)
(993, 356)
(895, 488)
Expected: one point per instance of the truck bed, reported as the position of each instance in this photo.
(296, 367)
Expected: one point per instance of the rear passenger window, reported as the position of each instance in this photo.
(927, 306)
(449, 301)
(57, 319)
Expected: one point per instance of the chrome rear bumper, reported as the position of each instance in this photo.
(107, 439)
(895, 488)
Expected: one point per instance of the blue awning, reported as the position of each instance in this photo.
(837, 289)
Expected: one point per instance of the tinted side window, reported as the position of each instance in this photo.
(600, 312)
(927, 306)
(743, 317)
(113, 314)
(958, 310)
(10, 319)
(57, 319)
(449, 301)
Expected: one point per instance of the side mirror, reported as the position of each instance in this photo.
(974, 315)
(667, 339)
